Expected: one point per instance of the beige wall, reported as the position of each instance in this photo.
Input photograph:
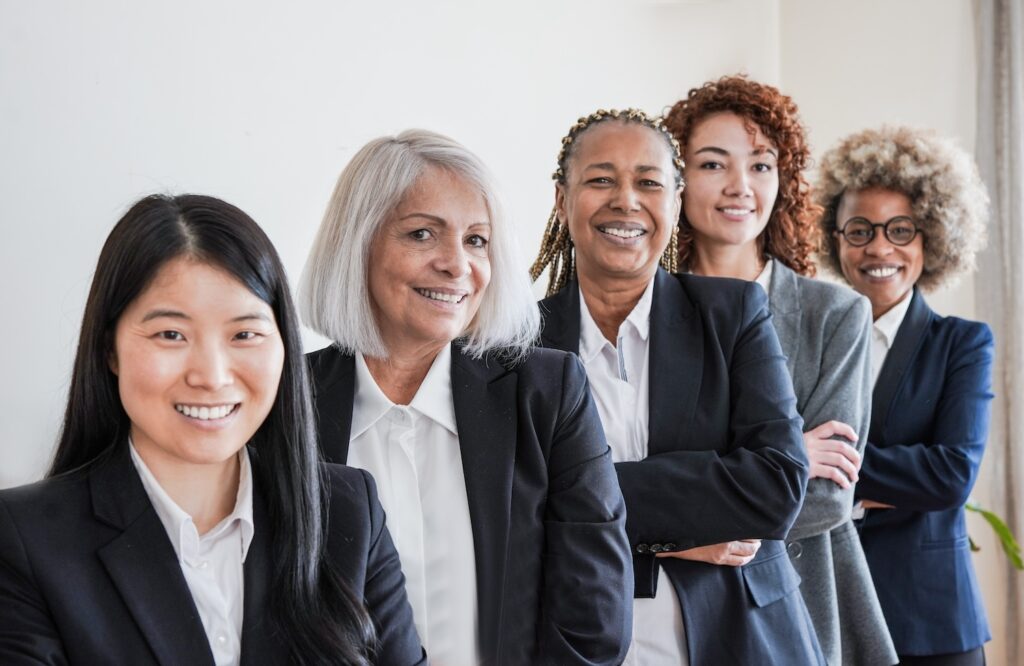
(852, 65)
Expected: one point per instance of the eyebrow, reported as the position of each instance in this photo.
(177, 314)
(439, 220)
(722, 151)
(608, 166)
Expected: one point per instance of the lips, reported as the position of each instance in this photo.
(879, 272)
(622, 230)
(206, 412)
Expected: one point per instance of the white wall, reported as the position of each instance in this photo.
(263, 103)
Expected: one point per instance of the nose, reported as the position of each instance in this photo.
(451, 257)
(209, 367)
(738, 183)
(624, 198)
(879, 245)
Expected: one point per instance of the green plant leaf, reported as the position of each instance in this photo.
(1006, 539)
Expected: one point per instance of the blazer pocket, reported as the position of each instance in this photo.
(770, 580)
(946, 544)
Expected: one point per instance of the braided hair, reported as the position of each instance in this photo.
(556, 249)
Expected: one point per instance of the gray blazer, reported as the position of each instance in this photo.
(825, 332)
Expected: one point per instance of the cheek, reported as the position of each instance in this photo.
(263, 372)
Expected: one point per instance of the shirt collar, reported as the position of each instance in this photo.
(592, 340)
(433, 399)
(179, 525)
(765, 277)
(889, 323)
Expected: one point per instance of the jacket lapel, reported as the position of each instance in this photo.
(561, 317)
(334, 399)
(675, 365)
(784, 303)
(143, 566)
(900, 357)
(484, 394)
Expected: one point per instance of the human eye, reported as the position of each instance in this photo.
(477, 241)
(600, 180)
(248, 336)
(420, 234)
(169, 336)
(648, 183)
(711, 165)
(763, 167)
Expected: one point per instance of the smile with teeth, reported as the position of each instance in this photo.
(622, 233)
(441, 296)
(736, 211)
(205, 413)
(882, 271)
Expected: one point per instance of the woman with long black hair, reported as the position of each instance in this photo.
(186, 518)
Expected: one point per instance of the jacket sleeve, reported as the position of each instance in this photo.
(588, 581)
(687, 498)
(384, 593)
(939, 474)
(27, 631)
(842, 393)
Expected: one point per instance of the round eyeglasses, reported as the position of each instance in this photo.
(859, 231)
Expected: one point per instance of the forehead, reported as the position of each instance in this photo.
(875, 203)
(622, 144)
(444, 193)
(189, 284)
(726, 129)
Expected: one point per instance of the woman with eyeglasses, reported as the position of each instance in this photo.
(905, 211)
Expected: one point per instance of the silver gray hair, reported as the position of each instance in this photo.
(334, 295)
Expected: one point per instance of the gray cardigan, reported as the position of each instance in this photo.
(825, 332)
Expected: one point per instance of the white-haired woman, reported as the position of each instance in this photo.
(490, 457)
(905, 210)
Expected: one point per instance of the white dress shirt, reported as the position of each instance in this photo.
(883, 333)
(764, 278)
(212, 563)
(413, 453)
(619, 384)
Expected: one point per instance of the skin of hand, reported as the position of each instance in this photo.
(728, 554)
(872, 504)
(830, 458)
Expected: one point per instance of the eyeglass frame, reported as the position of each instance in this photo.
(885, 230)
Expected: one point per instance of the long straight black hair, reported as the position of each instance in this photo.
(322, 620)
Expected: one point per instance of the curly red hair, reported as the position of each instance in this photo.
(791, 235)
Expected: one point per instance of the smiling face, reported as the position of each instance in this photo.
(732, 182)
(429, 264)
(620, 201)
(198, 359)
(880, 270)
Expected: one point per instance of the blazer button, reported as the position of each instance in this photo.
(669, 548)
(795, 549)
(643, 549)
(656, 548)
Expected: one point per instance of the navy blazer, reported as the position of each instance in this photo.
(88, 574)
(552, 562)
(725, 461)
(929, 423)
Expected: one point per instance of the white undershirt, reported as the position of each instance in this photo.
(619, 384)
(212, 563)
(883, 334)
(764, 278)
(413, 453)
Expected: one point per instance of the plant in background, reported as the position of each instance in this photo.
(1006, 539)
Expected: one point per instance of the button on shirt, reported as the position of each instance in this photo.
(212, 564)
(413, 453)
(618, 376)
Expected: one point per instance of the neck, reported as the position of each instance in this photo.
(611, 300)
(400, 374)
(736, 261)
(206, 492)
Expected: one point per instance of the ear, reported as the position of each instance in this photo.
(560, 203)
(112, 361)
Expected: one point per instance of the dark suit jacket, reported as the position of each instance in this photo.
(929, 423)
(89, 576)
(552, 562)
(725, 461)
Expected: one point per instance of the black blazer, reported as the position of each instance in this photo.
(552, 562)
(725, 461)
(89, 576)
(929, 424)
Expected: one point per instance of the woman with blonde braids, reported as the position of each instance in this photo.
(695, 400)
(748, 214)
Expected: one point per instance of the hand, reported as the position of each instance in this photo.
(830, 458)
(729, 554)
(872, 504)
